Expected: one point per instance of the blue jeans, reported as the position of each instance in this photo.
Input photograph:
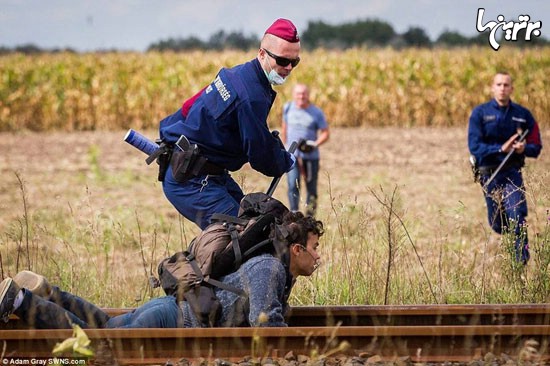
(200, 197)
(309, 169)
(40, 313)
(162, 312)
(505, 200)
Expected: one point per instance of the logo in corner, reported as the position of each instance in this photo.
(510, 28)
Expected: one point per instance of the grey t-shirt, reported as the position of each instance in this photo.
(304, 123)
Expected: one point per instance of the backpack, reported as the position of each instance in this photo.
(220, 249)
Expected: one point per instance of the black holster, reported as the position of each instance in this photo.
(186, 164)
(162, 156)
(163, 161)
(190, 163)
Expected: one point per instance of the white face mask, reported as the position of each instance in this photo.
(273, 77)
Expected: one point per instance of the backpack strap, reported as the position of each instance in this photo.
(286, 108)
(191, 259)
(200, 277)
(235, 244)
(224, 286)
(257, 246)
(230, 222)
(219, 217)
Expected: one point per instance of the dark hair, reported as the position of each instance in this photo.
(300, 226)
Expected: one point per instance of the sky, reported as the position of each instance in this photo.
(89, 25)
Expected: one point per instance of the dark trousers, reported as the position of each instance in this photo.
(200, 197)
(309, 170)
(59, 312)
(64, 309)
(507, 207)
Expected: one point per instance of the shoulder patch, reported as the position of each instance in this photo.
(219, 95)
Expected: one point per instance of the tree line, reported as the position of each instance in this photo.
(368, 32)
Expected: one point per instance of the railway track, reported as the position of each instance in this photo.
(425, 333)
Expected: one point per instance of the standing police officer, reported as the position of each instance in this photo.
(224, 126)
(493, 132)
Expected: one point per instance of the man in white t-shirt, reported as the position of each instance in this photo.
(305, 123)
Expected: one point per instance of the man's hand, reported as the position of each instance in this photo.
(519, 147)
(509, 145)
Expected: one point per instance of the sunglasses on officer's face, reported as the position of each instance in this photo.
(283, 61)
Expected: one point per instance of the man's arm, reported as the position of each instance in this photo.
(322, 126)
(533, 142)
(263, 150)
(323, 137)
(265, 281)
(476, 144)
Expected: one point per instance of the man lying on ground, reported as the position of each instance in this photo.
(265, 280)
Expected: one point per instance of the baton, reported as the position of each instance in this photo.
(276, 180)
(497, 170)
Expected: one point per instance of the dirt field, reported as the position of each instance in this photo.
(96, 211)
(428, 166)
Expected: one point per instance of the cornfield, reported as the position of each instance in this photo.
(357, 87)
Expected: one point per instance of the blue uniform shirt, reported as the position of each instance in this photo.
(490, 126)
(228, 122)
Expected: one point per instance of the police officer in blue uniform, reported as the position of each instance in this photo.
(224, 126)
(493, 132)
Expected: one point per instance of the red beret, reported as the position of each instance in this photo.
(283, 28)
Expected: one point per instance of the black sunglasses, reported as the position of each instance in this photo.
(283, 61)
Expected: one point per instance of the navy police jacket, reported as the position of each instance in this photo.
(228, 121)
(490, 126)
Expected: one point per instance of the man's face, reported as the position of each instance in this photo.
(502, 88)
(307, 259)
(281, 48)
(300, 95)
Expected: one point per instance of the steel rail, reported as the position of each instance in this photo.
(373, 315)
(423, 332)
(467, 314)
(421, 343)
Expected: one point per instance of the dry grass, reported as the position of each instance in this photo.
(96, 221)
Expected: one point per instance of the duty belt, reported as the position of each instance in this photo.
(209, 168)
(490, 169)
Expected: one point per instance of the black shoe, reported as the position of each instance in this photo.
(8, 292)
